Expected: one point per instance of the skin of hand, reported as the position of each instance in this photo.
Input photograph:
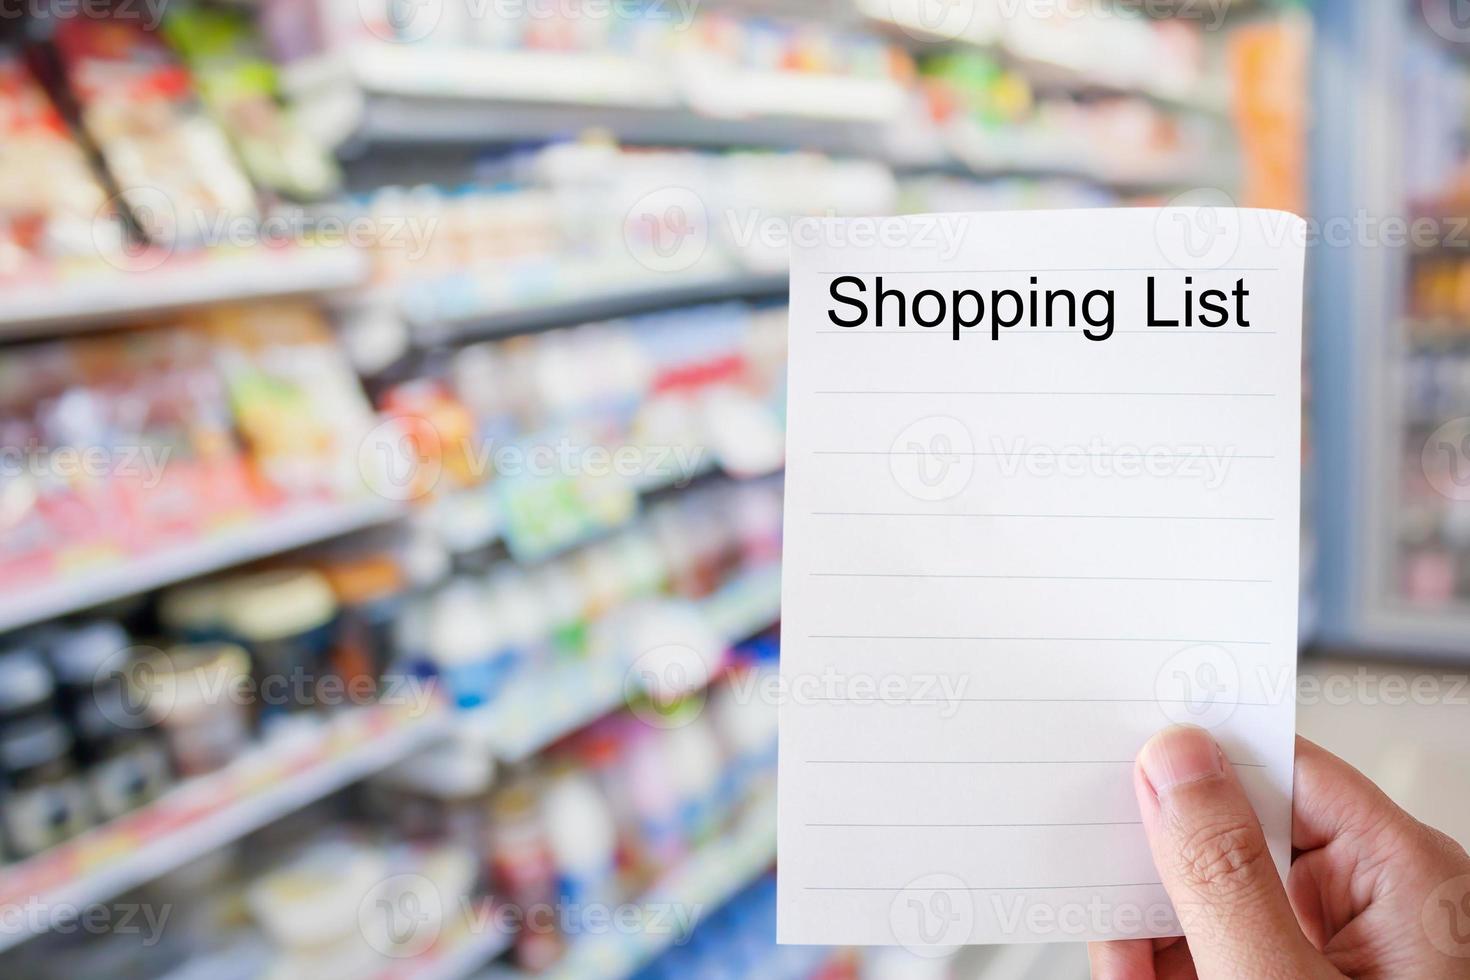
(1372, 892)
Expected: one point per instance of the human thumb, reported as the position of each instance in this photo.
(1212, 858)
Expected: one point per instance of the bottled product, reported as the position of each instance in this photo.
(197, 694)
(524, 869)
(582, 839)
(285, 619)
(45, 799)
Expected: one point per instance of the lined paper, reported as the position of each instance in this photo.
(1010, 561)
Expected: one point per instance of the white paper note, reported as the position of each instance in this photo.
(1012, 557)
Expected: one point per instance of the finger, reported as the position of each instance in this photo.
(1331, 799)
(1213, 860)
(1122, 959)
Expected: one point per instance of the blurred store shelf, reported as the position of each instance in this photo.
(704, 881)
(542, 706)
(435, 322)
(148, 285)
(260, 538)
(277, 777)
(1048, 65)
(461, 952)
(981, 161)
(380, 93)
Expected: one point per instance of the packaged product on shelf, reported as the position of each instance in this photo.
(465, 645)
(45, 799)
(296, 401)
(34, 812)
(743, 711)
(285, 619)
(523, 867)
(241, 90)
(309, 907)
(178, 177)
(694, 758)
(129, 445)
(53, 209)
(121, 754)
(582, 838)
(370, 591)
(197, 695)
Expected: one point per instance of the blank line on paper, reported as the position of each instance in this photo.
(1080, 394)
(1045, 578)
(1039, 517)
(1039, 639)
(977, 888)
(1213, 702)
(996, 762)
(1127, 454)
(971, 826)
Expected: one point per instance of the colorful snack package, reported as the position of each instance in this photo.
(138, 105)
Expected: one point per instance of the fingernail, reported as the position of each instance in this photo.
(1179, 754)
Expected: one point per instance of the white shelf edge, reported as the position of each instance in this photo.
(118, 295)
(237, 545)
(170, 851)
(392, 93)
(643, 297)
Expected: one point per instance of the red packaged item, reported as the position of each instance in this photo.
(173, 165)
(52, 206)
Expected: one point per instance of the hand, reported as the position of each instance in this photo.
(1372, 892)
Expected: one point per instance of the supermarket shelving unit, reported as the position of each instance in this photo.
(1362, 345)
(248, 541)
(399, 95)
(280, 776)
(379, 93)
(273, 779)
(636, 297)
(706, 879)
(152, 284)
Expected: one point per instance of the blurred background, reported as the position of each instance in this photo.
(391, 423)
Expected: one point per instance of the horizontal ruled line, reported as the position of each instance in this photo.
(1040, 639)
(880, 699)
(977, 888)
(995, 762)
(975, 452)
(1045, 578)
(1080, 394)
(973, 826)
(1041, 517)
